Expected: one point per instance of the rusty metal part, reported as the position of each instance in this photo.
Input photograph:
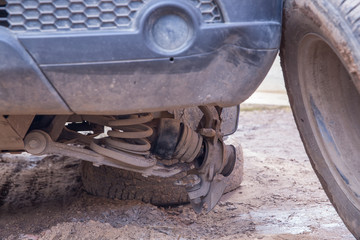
(125, 146)
(189, 145)
(169, 131)
(229, 167)
(126, 135)
(132, 160)
(212, 175)
(39, 143)
(13, 129)
(9, 138)
(178, 141)
(192, 116)
(56, 126)
(217, 163)
(207, 132)
(209, 116)
(189, 181)
(216, 190)
(204, 156)
(70, 136)
(213, 163)
(20, 123)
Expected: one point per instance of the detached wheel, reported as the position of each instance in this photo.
(320, 56)
(113, 183)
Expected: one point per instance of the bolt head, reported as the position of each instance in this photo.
(34, 143)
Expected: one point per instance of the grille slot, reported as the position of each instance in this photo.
(67, 15)
(209, 10)
(3, 14)
(75, 15)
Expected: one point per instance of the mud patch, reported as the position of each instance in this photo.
(28, 180)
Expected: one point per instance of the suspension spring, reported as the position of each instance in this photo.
(128, 135)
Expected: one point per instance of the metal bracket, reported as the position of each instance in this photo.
(217, 163)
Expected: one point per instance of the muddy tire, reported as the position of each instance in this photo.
(321, 63)
(120, 184)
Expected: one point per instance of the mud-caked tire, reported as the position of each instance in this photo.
(116, 183)
(320, 56)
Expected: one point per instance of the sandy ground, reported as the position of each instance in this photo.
(280, 197)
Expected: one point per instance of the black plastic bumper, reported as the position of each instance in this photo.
(144, 68)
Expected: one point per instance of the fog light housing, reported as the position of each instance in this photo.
(170, 28)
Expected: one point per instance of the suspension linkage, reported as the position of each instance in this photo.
(38, 142)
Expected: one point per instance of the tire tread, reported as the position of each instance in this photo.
(116, 183)
(350, 9)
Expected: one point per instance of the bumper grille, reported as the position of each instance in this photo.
(72, 15)
(3, 14)
(209, 10)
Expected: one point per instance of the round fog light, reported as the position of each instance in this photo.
(169, 29)
(171, 32)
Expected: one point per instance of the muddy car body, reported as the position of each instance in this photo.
(136, 67)
(90, 64)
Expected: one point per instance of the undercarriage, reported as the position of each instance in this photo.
(160, 144)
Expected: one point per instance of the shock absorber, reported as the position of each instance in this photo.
(128, 134)
(177, 141)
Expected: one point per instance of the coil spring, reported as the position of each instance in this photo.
(129, 134)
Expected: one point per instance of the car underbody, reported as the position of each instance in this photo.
(107, 81)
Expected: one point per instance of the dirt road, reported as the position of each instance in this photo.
(280, 197)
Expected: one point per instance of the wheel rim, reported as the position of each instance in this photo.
(332, 107)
